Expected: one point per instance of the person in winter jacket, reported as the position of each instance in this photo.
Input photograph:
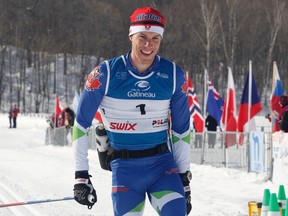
(69, 117)
(15, 112)
(136, 94)
(211, 125)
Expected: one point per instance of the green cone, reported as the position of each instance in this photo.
(273, 205)
(266, 197)
(281, 193)
(282, 198)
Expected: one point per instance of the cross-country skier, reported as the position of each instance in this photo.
(141, 96)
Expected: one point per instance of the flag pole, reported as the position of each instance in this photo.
(272, 116)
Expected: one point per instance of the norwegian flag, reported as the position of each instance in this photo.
(215, 103)
(194, 108)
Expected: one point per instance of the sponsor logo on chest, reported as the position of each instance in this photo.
(122, 126)
(160, 122)
(141, 90)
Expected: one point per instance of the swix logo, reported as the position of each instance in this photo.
(122, 126)
(160, 122)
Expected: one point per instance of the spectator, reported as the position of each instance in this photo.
(69, 117)
(211, 125)
(15, 112)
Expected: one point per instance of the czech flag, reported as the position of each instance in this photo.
(249, 107)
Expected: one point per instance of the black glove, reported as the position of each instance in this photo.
(186, 177)
(84, 192)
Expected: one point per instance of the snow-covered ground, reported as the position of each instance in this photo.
(31, 170)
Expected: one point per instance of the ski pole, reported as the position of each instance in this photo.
(35, 202)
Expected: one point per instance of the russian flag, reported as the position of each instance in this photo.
(277, 92)
(229, 112)
(215, 103)
(253, 103)
(194, 108)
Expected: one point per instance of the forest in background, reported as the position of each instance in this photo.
(59, 41)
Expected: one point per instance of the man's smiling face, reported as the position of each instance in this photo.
(145, 46)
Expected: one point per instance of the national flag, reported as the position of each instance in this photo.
(277, 92)
(214, 105)
(249, 106)
(194, 108)
(57, 118)
(229, 112)
(58, 107)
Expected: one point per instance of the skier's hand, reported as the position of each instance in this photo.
(186, 178)
(84, 192)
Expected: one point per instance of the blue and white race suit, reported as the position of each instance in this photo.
(136, 109)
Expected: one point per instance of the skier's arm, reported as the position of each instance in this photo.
(84, 192)
(89, 102)
(180, 120)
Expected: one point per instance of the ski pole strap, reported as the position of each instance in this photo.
(126, 154)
